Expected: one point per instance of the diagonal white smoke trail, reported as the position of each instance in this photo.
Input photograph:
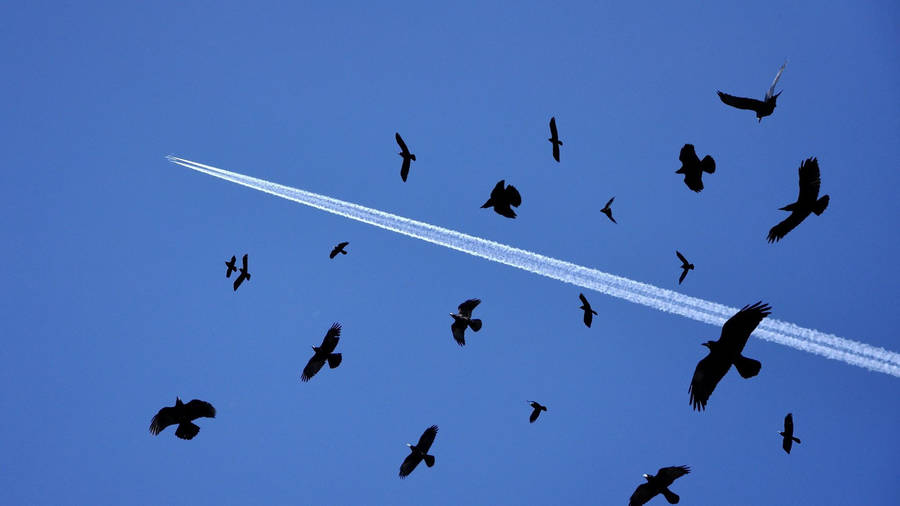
(788, 334)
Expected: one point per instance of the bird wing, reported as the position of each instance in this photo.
(789, 424)
(238, 281)
(780, 230)
(584, 300)
(553, 132)
(342, 244)
(642, 494)
(683, 275)
(610, 202)
(688, 155)
(244, 260)
(497, 192)
(556, 152)
(330, 341)
(681, 257)
(775, 81)
(197, 408)
(588, 317)
(165, 417)
(738, 328)
(466, 308)
(401, 143)
(512, 194)
(409, 463)
(404, 169)
(459, 331)
(809, 181)
(534, 414)
(427, 438)
(312, 367)
(669, 474)
(710, 370)
(740, 102)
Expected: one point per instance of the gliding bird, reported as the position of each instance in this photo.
(537, 410)
(554, 139)
(464, 319)
(324, 353)
(687, 266)
(243, 274)
(607, 211)
(788, 434)
(588, 312)
(182, 414)
(230, 267)
(407, 157)
(658, 484)
(808, 201)
(419, 452)
(338, 249)
(763, 108)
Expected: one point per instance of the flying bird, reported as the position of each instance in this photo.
(554, 139)
(808, 201)
(788, 434)
(464, 319)
(419, 451)
(537, 410)
(725, 352)
(693, 168)
(588, 312)
(502, 198)
(182, 414)
(323, 353)
(658, 484)
(243, 274)
(687, 266)
(607, 211)
(230, 267)
(338, 249)
(407, 157)
(762, 108)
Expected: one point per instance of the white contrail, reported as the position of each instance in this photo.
(788, 334)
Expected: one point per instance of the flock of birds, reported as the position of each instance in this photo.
(723, 353)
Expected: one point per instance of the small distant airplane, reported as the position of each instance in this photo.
(338, 249)
(230, 266)
(243, 274)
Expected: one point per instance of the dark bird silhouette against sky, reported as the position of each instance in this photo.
(230, 266)
(502, 198)
(608, 211)
(693, 168)
(687, 266)
(419, 452)
(554, 139)
(182, 414)
(762, 108)
(808, 201)
(725, 352)
(464, 319)
(537, 410)
(788, 434)
(588, 312)
(338, 249)
(324, 353)
(407, 157)
(244, 274)
(658, 484)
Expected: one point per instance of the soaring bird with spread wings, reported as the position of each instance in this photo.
(554, 139)
(464, 319)
(658, 484)
(608, 210)
(588, 311)
(338, 249)
(419, 452)
(808, 201)
(183, 415)
(787, 435)
(685, 266)
(244, 274)
(762, 108)
(324, 353)
(407, 157)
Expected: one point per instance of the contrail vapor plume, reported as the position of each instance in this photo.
(788, 334)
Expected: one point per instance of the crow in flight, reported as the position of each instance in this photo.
(502, 198)
(788, 433)
(554, 139)
(588, 312)
(243, 274)
(687, 266)
(182, 414)
(763, 108)
(693, 168)
(419, 451)
(725, 352)
(407, 156)
(230, 267)
(323, 353)
(808, 201)
(658, 484)
(338, 249)
(464, 319)
(607, 211)
(537, 410)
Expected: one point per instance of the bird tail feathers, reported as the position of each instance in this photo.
(187, 430)
(475, 324)
(708, 164)
(670, 496)
(747, 367)
(334, 360)
(429, 460)
(821, 204)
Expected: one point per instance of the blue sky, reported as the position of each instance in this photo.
(116, 302)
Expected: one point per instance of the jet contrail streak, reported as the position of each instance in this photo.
(788, 334)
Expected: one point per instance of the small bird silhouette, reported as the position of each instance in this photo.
(464, 319)
(338, 249)
(537, 410)
(502, 198)
(607, 211)
(407, 157)
(182, 414)
(658, 484)
(230, 267)
(808, 201)
(588, 312)
(762, 108)
(554, 139)
(324, 353)
(693, 168)
(419, 452)
(788, 434)
(687, 266)
(244, 274)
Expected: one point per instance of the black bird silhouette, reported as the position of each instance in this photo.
(243, 274)
(230, 267)
(407, 156)
(658, 484)
(808, 201)
(323, 353)
(182, 414)
(464, 319)
(588, 312)
(338, 249)
(554, 139)
(762, 108)
(502, 198)
(607, 211)
(693, 168)
(788, 434)
(687, 266)
(537, 410)
(725, 352)
(419, 451)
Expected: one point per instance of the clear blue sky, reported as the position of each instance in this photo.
(115, 300)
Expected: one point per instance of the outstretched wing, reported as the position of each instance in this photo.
(401, 143)
(669, 474)
(313, 366)
(553, 132)
(244, 260)
(777, 232)
(459, 331)
(710, 370)
(584, 300)
(197, 408)
(409, 463)
(610, 202)
(642, 494)
(165, 417)
(466, 308)
(329, 343)
(238, 281)
(737, 329)
(740, 102)
(515, 199)
(809, 181)
(775, 81)
(683, 275)
(427, 438)
(681, 257)
(789, 424)
(687, 155)
(404, 169)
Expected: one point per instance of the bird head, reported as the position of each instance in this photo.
(708, 344)
(646, 476)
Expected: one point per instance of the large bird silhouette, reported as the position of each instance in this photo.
(464, 319)
(244, 274)
(324, 353)
(725, 352)
(788, 438)
(693, 168)
(407, 157)
(419, 452)
(183, 415)
(554, 139)
(762, 108)
(502, 198)
(808, 201)
(658, 484)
